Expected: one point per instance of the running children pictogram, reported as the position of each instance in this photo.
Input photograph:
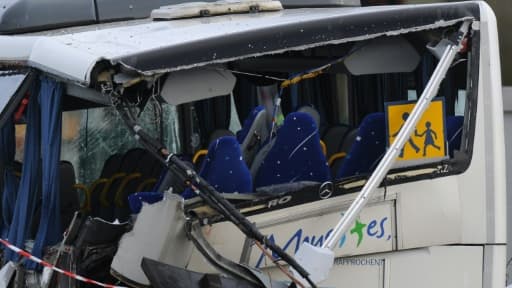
(405, 115)
(428, 142)
(430, 137)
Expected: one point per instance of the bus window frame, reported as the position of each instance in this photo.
(444, 168)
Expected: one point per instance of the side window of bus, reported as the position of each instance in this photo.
(369, 97)
(91, 136)
(352, 116)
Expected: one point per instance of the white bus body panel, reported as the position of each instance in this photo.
(491, 91)
(419, 268)
(467, 210)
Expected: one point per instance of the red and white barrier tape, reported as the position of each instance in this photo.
(25, 254)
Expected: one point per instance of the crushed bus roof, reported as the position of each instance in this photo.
(151, 47)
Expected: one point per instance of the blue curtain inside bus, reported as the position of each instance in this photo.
(9, 181)
(49, 232)
(246, 97)
(29, 183)
(212, 114)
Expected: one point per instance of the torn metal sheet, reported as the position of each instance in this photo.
(158, 234)
(163, 46)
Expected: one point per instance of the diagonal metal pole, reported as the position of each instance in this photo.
(390, 157)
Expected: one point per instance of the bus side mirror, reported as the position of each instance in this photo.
(383, 55)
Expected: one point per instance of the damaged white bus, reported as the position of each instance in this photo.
(251, 144)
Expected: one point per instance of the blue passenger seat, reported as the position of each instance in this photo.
(296, 154)
(368, 148)
(311, 111)
(454, 132)
(224, 168)
(248, 122)
(254, 133)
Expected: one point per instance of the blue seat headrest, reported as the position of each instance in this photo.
(311, 111)
(296, 154)
(224, 168)
(240, 135)
(368, 148)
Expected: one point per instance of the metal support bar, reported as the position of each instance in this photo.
(405, 133)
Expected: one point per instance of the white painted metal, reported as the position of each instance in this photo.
(495, 165)
(494, 266)
(491, 88)
(156, 226)
(19, 48)
(429, 213)
(90, 44)
(437, 266)
(507, 106)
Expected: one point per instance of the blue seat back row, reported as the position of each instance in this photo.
(368, 147)
(296, 154)
(253, 134)
(224, 168)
